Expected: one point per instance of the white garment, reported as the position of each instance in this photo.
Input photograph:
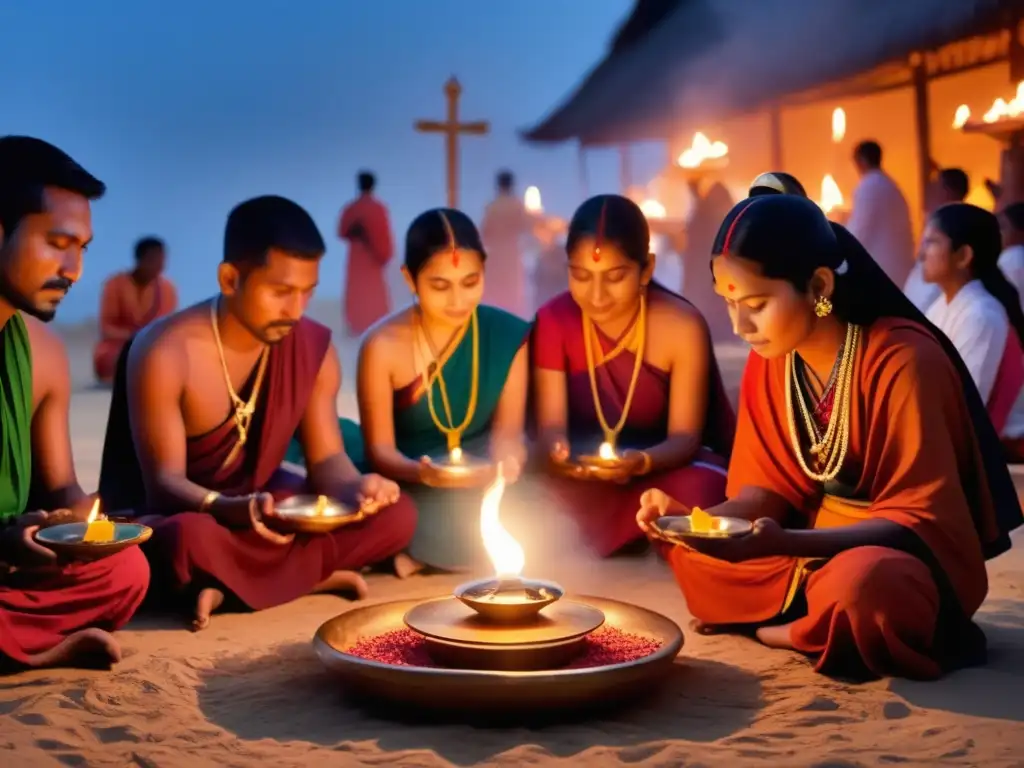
(505, 224)
(923, 294)
(880, 219)
(1011, 262)
(977, 325)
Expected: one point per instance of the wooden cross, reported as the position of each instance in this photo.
(452, 129)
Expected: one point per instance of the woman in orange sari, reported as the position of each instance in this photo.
(863, 455)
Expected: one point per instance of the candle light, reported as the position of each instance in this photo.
(532, 201)
(607, 451)
(455, 455)
(98, 530)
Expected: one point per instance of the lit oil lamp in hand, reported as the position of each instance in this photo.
(98, 529)
(457, 470)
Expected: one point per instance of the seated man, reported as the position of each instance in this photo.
(205, 403)
(131, 300)
(51, 614)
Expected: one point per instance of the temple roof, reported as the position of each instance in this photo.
(675, 64)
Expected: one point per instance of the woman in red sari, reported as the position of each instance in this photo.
(620, 359)
(863, 454)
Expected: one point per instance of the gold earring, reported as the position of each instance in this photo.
(823, 306)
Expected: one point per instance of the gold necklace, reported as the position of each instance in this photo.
(452, 433)
(831, 448)
(243, 411)
(640, 329)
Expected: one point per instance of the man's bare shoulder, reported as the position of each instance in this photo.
(47, 344)
(166, 341)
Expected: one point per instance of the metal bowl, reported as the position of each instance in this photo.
(298, 514)
(469, 472)
(470, 692)
(66, 540)
(508, 601)
(675, 529)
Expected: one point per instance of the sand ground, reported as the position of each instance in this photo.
(249, 690)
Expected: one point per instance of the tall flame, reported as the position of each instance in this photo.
(506, 554)
(838, 124)
(702, 149)
(532, 201)
(831, 195)
(963, 114)
(94, 513)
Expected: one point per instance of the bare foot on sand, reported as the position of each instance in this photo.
(209, 601)
(406, 566)
(344, 581)
(92, 648)
(776, 637)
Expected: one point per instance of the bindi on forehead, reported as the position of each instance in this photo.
(731, 288)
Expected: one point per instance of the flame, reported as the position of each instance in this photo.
(455, 455)
(963, 114)
(838, 124)
(606, 451)
(831, 195)
(1003, 110)
(531, 200)
(505, 553)
(702, 149)
(653, 209)
(94, 513)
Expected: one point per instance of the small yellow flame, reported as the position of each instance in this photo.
(94, 513)
(455, 455)
(506, 554)
(963, 114)
(532, 201)
(701, 521)
(1006, 110)
(831, 195)
(653, 209)
(702, 149)
(838, 124)
(606, 451)
(321, 505)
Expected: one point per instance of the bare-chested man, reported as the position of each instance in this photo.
(51, 613)
(205, 403)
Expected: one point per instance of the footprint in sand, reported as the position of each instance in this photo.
(820, 704)
(33, 718)
(116, 734)
(896, 710)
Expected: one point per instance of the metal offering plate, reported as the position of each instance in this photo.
(675, 529)
(589, 467)
(468, 472)
(66, 540)
(300, 514)
(508, 600)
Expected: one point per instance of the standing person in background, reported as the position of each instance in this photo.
(505, 224)
(950, 186)
(1011, 260)
(366, 226)
(880, 218)
(131, 300)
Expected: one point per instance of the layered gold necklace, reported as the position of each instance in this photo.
(453, 434)
(637, 332)
(828, 449)
(242, 411)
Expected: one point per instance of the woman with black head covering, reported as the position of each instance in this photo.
(978, 309)
(619, 359)
(863, 453)
(448, 372)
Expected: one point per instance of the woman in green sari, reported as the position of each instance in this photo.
(446, 372)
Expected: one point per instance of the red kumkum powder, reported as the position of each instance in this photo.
(405, 648)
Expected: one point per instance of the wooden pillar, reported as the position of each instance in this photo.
(581, 154)
(922, 126)
(1011, 175)
(625, 169)
(775, 137)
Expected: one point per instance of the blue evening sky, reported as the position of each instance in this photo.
(187, 108)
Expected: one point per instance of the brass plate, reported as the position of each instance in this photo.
(66, 540)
